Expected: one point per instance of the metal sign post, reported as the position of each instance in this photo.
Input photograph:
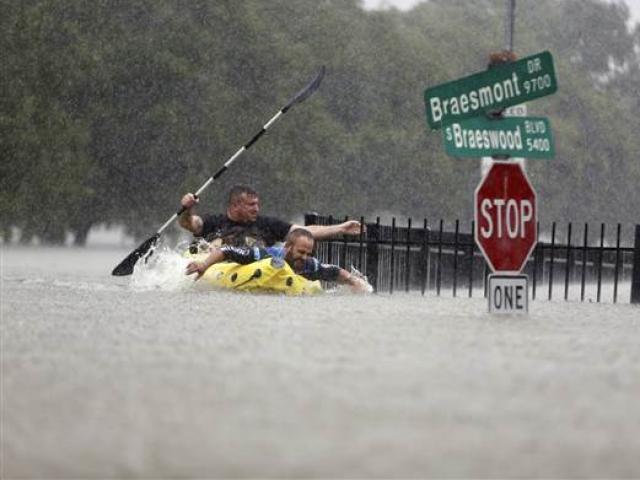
(509, 24)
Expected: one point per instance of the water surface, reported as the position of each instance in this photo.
(145, 376)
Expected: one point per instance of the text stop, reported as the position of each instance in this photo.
(505, 217)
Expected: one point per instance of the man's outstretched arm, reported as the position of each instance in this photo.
(350, 227)
(241, 255)
(314, 270)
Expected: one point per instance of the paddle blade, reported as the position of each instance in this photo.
(307, 91)
(125, 267)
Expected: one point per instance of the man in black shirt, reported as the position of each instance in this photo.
(242, 226)
(297, 252)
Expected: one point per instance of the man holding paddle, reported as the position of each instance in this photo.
(126, 266)
(241, 224)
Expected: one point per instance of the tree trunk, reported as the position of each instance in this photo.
(81, 233)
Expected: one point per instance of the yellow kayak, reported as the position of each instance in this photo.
(270, 275)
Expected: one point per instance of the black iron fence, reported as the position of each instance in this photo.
(574, 264)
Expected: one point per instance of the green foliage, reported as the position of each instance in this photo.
(112, 110)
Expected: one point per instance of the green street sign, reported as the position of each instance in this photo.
(502, 86)
(528, 137)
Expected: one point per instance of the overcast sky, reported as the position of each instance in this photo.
(634, 5)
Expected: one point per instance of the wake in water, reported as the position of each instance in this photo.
(368, 288)
(162, 269)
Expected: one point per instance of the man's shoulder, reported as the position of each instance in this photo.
(270, 221)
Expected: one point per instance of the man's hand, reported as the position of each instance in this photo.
(352, 227)
(197, 267)
(355, 281)
(216, 255)
(189, 200)
(188, 220)
(360, 285)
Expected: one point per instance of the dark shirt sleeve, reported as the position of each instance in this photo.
(243, 255)
(314, 270)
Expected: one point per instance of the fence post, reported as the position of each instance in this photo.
(372, 254)
(311, 218)
(471, 248)
(393, 254)
(635, 278)
(424, 257)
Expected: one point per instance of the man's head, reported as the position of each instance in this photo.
(298, 247)
(243, 205)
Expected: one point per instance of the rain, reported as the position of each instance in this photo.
(113, 111)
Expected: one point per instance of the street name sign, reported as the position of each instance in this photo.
(499, 87)
(508, 294)
(528, 137)
(505, 214)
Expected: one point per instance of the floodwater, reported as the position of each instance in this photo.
(144, 376)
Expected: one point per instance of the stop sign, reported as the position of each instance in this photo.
(505, 217)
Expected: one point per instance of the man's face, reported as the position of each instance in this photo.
(245, 209)
(298, 251)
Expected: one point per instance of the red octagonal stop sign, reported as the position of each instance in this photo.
(506, 217)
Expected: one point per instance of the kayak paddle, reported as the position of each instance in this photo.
(126, 266)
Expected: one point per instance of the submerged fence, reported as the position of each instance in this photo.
(574, 264)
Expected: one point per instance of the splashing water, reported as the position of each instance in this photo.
(367, 287)
(162, 269)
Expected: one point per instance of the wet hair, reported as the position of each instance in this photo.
(237, 191)
(296, 233)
